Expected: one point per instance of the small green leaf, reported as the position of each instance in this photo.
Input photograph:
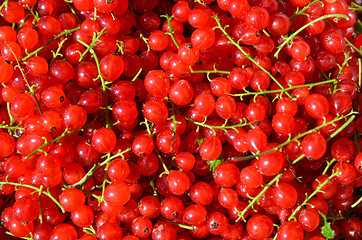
(326, 230)
(358, 27)
(199, 141)
(215, 163)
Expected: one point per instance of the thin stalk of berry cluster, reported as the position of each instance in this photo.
(144, 39)
(355, 7)
(203, 71)
(31, 88)
(34, 14)
(332, 216)
(74, 13)
(329, 164)
(37, 189)
(353, 46)
(340, 69)
(85, 178)
(291, 37)
(147, 127)
(104, 88)
(341, 128)
(90, 47)
(56, 53)
(358, 25)
(50, 41)
(248, 55)
(155, 193)
(222, 127)
(283, 90)
(298, 159)
(357, 202)
(5, 4)
(96, 166)
(355, 140)
(40, 206)
(22, 24)
(299, 136)
(66, 133)
(12, 119)
(12, 128)
(166, 171)
(301, 12)
(170, 29)
(137, 75)
(256, 198)
(105, 181)
(178, 224)
(90, 230)
(318, 189)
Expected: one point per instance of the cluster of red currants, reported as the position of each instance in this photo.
(180, 120)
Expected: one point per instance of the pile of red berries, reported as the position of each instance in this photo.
(176, 119)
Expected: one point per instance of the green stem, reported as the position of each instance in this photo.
(52, 141)
(147, 127)
(298, 159)
(34, 14)
(353, 46)
(85, 178)
(104, 182)
(139, 30)
(74, 12)
(292, 216)
(223, 127)
(56, 53)
(95, 167)
(137, 75)
(164, 165)
(355, 7)
(341, 128)
(303, 9)
(171, 30)
(155, 193)
(248, 55)
(329, 163)
(22, 24)
(40, 206)
(291, 37)
(285, 89)
(11, 127)
(90, 47)
(357, 202)
(37, 189)
(5, 4)
(31, 88)
(12, 119)
(178, 224)
(204, 71)
(50, 41)
(25, 238)
(256, 198)
(104, 88)
(299, 136)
